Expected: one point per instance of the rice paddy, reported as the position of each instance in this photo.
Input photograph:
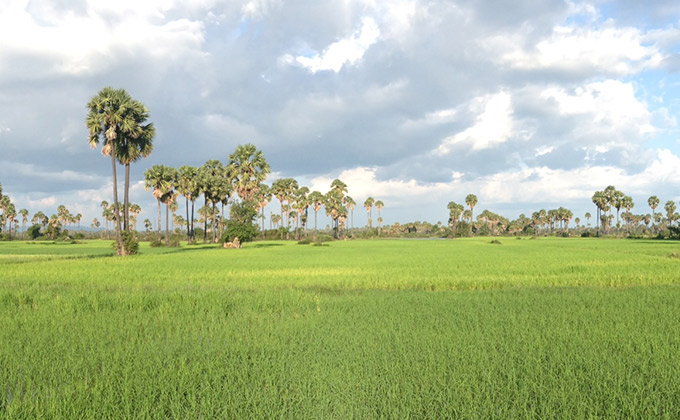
(546, 328)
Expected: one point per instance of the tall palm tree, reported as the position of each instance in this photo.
(471, 201)
(132, 147)
(301, 204)
(455, 212)
(350, 204)
(263, 197)
(653, 202)
(162, 180)
(368, 205)
(379, 205)
(316, 200)
(588, 216)
(249, 169)
(670, 211)
(113, 117)
(24, 219)
(188, 186)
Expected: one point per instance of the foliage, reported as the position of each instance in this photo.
(245, 232)
(33, 232)
(130, 243)
(462, 230)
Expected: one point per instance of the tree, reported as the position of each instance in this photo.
(350, 204)
(588, 216)
(455, 212)
(653, 202)
(670, 211)
(162, 180)
(263, 197)
(249, 169)
(471, 201)
(113, 117)
(188, 186)
(24, 219)
(316, 200)
(301, 204)
(283, 190)
(368, 205)
(379, 205)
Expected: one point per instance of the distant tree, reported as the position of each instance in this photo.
(670, 211)
(379, 205)
(653, 202)
(368, 205)
(471, 201)
(161, 179)
(350, 204)
(316, 200)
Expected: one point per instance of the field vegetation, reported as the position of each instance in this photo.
(545, 328)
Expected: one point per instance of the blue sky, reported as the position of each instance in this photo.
(417, 103)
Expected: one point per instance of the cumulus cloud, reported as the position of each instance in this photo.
(416, 102)
(345, 51)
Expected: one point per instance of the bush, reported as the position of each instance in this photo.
(462, 230)
(305, 241)
(245, 232)
(155, 243)
(33, 232)
(130, 243)
(495, 242)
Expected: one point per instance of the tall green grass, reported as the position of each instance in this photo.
(377, 329)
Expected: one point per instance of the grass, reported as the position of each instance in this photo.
(551, 328)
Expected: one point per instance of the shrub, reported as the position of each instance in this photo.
(305, 241)
(462, 230)
(155, 243)
(130, 243)
(33, 232)
(495, 242)
(245, 232)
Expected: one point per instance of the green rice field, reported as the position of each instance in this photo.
(393, 329)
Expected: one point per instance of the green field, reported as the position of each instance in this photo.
(546, 328)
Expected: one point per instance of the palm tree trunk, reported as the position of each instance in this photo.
(160, 237)
(119, 237)
(126, 199)
(188, 231)
(193, 233)
(205, 221)
(214, 222)
(167, 222)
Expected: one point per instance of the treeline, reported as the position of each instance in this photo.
(240, 183)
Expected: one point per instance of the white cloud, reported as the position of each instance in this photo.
(611, 104)
(620, 51)
(494, 124)
(345, 51)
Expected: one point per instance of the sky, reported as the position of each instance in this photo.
(417, 103)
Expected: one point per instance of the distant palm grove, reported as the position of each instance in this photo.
(119, 123)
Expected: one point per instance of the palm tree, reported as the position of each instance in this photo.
(670, 211)
(95, 223)
(301, 204)
(379, 205)
(188, 186)
(588, 216)
(24, 219)
(455, 212)
(162, 180)
(653, 202)
(471, 201)
(132, 147)
(368, 205)
(249, 169)
(263, 197)
(350, 204)
(113, 116)
(316, 200)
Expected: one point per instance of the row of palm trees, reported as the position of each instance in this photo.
(610, 198)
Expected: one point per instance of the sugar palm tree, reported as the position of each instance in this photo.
(249, 169)
(471, 201)
(113, 117)
(24, 219)
(188, 186)
(670, 211)
(455, 212)
(653, 202)
(161, 179)
(368, 205)
(379, 205)
(350, 204)
(263, 196)
(588, 216)
(300, 205)
(316, 200)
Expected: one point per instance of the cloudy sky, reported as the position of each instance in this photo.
(418, 103)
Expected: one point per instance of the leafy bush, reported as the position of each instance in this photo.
(155, 243)
(130, 243)
(462, 230)
(305, 241)
(33, 232)
(495, 242)
(245, 232)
